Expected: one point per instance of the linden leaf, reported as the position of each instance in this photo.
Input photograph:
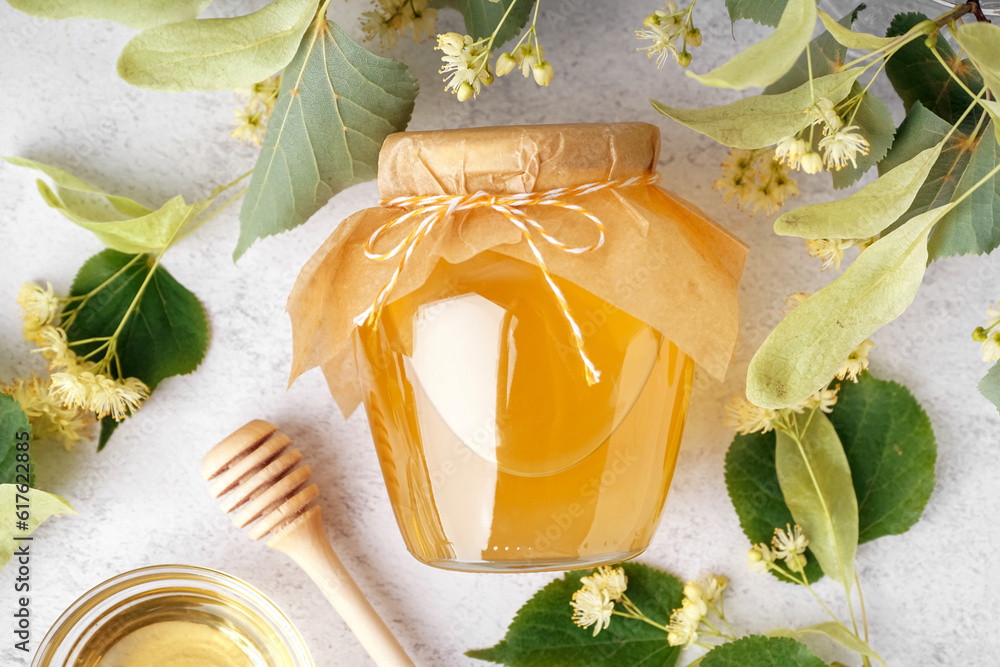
(761, 651)
(766, 61)
(145, 14)
(337, 104)
(972, 226)
(815, 481)
(166, 332)
(764, 12)
(851, 39)
(807, 348)
(918, 76)
(483, 16)
(41, 506)
(543, 634)
(866, 212)
(125, 225)
(835, 631)
(14, 428)
(989, 386)
(761, 120)
(213, 54)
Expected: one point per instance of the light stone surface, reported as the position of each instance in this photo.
(933, 595)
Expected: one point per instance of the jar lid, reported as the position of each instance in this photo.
(513, 160)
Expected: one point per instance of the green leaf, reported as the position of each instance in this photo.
(989, 386)
(918, 76)
(872, 116)
(483, 16)
(42, 505)
(543, 633)
(166, 333)
(211, 54)
(982, 42)
(761, 120)
(866, 212)
(766, 61)
(973, 226)
(815, 480)
(752, 481)
(337, 104)
(890, 445)
(764, 12)
(890, 448)
(807, 348)
(144, 14)
(834, 631)
(14, 428)
(125, 225)
(851, 39)
(760, 651)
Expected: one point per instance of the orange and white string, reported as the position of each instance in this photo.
(437, 208)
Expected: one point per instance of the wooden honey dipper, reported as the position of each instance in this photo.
(264, 485)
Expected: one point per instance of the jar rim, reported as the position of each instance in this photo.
(514, 159)
(89, 610)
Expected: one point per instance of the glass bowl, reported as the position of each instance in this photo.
(173, 616)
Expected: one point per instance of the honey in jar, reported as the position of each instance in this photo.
(526, 411)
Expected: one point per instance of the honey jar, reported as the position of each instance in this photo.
(521, 318)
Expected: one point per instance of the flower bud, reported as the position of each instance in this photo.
(811, 163)
(486, 76)
(651, 20)
(505, 64)
(451, 43)
(543, 73)
(683, 58)
(694, 37)
(979, 335)
(465, 91)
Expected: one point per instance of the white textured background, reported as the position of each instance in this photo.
(933, 594)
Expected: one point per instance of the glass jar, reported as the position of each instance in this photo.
(521, 317)
(172, 615)
(497, 454)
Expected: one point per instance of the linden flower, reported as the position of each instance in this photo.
(761, 557)
(527, 56)
(40, 307)
(48, 417)
(857, 362)
(250, 125)
(790, 150)
(824, 399)
(769, 196)
(793, 301)
(684, 622)
(831, 251)
(991, 347)
(824, 111)
(262, 94)
(705, 591)
(52, 344)
(842, 146)
(790, 543)
(592, 607)
(466, 62)
(744, 417)
(424, 22)
(610, 580)
(993, 316)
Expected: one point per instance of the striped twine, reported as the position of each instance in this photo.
(436, 208)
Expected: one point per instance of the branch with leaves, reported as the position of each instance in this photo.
(938, 190)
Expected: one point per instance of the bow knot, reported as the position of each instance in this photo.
(432, 210)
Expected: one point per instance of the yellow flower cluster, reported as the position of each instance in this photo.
(79, 389)
(595, 602)
(788, 545)
(989, 336)
(839, 144)
(700, 597)
(391, 18)
(663, 28)
(251, 118)
(831, 251)
(756, 180)
(467, 62)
